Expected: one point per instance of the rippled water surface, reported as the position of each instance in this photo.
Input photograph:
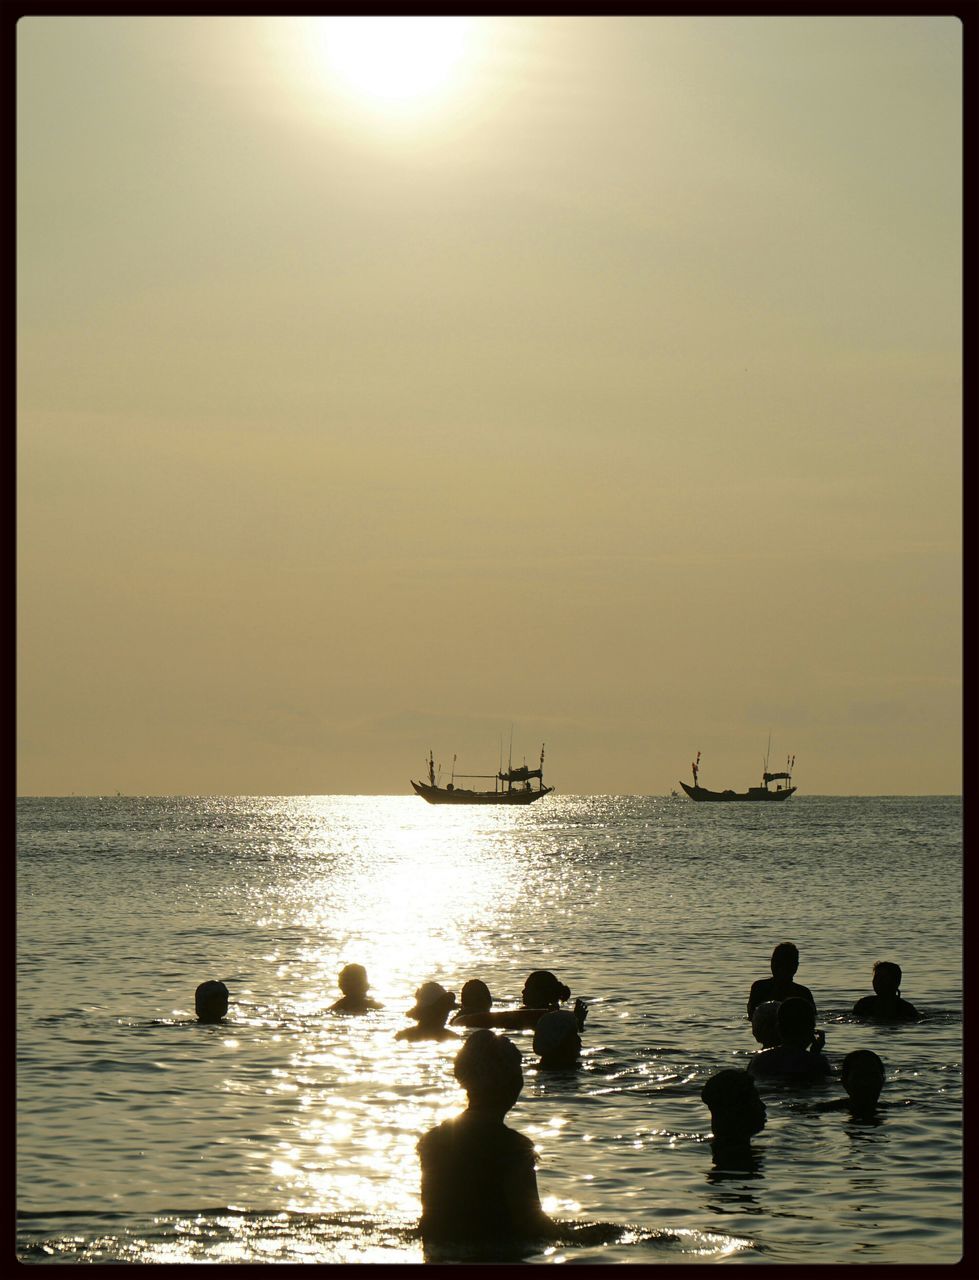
(288, 1134)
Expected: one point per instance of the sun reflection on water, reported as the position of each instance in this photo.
(413, 899)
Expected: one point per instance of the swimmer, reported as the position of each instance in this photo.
(475, 1002)
(541, 992)
(784, 962)
(557, 1041)
(886, 1004)
(862, 1076)
(764, 1024)
(737, 1113)
(211, 1002)
(433, 1004)
(354, 985)
(800, 1053)
(478, 1183)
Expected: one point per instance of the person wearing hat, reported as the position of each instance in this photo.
(354, 985)
(211, 1002)
(478, 1181)
(432, 1006)
(557, 1041)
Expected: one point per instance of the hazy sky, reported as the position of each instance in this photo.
(611, 392)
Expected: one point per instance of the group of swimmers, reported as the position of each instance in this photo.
(478, 1180)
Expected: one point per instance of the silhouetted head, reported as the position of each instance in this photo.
(736, 1108)
(796, 1022)
(862, 1075)
(556, 1039)
(887, 978)
(353, 980)
(764, 1024)
(432, 1004)
(785, 961)
(542, 989)
(211, 1001)
(488, 1068)
(475, 997)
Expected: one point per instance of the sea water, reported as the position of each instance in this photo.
(288, 1133)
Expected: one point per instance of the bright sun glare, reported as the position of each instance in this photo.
(395, 61)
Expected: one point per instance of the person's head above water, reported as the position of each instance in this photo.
(475, 997)
(353, 980)
(796, 1022)
(556, 1039)
(887, 978)
(862, 1076)
(432, 1003)
(542, 989)
(736, 1108)
(764, 1024)
(211, 1001)
(488, 1068)
(785, 961)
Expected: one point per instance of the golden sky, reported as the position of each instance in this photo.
(595, 376)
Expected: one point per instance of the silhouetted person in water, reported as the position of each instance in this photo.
(475, 1001)
(800, 1053)
(211, 1001)
(354, 985)
(886, 1004)
(557, 1041)
(737, 1113)
(785, 962)
(541, 992)
(764, 1024)
(862, 1076)
(478, 1184)
(433, 1004)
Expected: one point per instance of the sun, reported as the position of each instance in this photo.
(396, 62)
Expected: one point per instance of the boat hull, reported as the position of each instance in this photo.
(458, 795)
(761, 794)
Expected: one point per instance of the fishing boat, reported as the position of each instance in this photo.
(763, 793)
(510, 786)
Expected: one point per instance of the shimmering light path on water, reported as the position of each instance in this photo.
(288, 1134)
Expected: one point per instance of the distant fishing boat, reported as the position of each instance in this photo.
(510, 786)
(762, 793)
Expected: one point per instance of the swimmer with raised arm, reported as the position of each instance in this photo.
(800, 1053)
(557, 1040)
